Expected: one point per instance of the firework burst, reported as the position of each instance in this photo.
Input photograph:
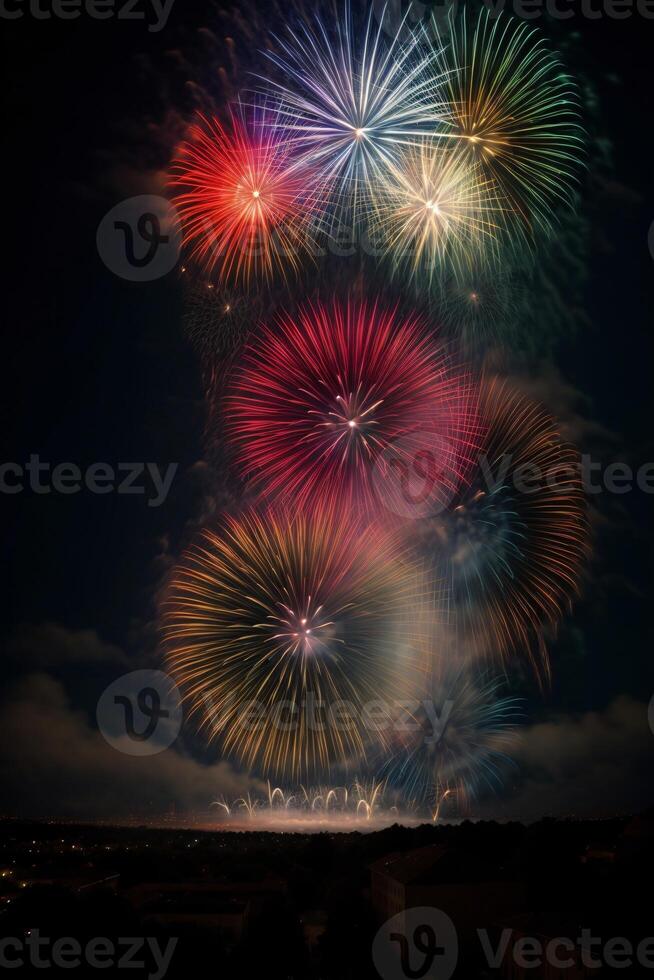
(434, 210)
(479, 305)
(216, 318)
(333, 403)
(294, 616)
(515, 541)
(244, 200)
(349, 98)
(513, 110)
(455, 744)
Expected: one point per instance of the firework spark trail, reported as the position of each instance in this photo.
(270, 609)
(325, 401)
(362, 804)
(513, 110)
(245, 201)
(350, 99)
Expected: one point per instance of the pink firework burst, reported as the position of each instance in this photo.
(356, 405)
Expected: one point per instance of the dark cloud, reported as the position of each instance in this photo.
(592, 764)
(51, 645)
(53, 763)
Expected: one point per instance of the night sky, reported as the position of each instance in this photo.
(98, 369)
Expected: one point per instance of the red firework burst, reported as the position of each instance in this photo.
(355, 405)
(244, 199)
